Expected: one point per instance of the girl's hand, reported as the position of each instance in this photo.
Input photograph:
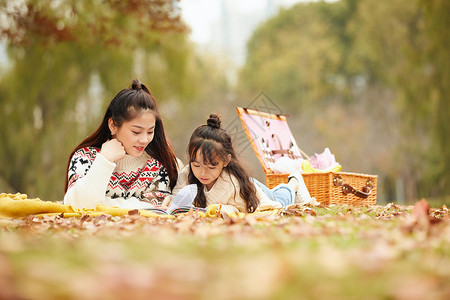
(113, 150)
(229, 209)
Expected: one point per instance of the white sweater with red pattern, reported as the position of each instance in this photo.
(132, 182)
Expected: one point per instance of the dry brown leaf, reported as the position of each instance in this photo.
(421, 210)
(133, 212)
(83, 219)
(6, 279)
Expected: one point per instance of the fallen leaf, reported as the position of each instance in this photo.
(421, 211)
(133, 212)
(6, 279)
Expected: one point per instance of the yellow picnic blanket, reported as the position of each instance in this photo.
(19, 206)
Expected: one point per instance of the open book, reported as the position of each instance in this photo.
(181, 203)
(175, 211)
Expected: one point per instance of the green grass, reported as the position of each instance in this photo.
(336, 252)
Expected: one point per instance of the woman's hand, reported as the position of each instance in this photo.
(113, 150)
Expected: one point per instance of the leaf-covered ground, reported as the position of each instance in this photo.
(337, 252)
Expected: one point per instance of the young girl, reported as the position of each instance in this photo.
(127, 162)
(215, 176)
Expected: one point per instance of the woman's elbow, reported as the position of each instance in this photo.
(78, 201)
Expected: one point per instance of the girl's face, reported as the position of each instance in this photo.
(135, 134)
(207, 174)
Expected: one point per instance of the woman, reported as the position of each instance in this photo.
(127, 162)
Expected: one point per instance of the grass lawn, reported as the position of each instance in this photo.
(334, 252)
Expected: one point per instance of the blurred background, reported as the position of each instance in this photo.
(368, 79)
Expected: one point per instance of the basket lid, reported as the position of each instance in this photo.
(269, 136)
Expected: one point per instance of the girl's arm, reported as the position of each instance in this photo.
(89, 176)
(229, 209)
(226, 192)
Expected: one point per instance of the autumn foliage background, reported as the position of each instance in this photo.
(368, 79)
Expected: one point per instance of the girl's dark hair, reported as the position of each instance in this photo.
(124, 107)
(215, 145)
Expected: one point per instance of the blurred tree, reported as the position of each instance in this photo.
(368, 79)
(412, 60)
(302, 59)
(213, 94)
(102, 22)
(67, 60)
(437, 57)
(290, 56)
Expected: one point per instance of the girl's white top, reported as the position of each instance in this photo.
(226, 191)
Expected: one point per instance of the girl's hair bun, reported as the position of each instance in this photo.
(214, 121)
(136, 85)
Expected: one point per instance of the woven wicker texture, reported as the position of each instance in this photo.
(321, 186)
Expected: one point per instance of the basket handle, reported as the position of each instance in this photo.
(281, 151)
(348, 189)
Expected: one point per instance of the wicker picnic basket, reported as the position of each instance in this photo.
(327, 187)
(335, 187)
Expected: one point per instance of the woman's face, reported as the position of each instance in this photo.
(137, 133)
(207, 174)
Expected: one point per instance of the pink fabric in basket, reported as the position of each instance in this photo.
(272, 134)
(323, 161)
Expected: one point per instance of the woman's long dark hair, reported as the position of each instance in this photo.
(124, 107)
(215, 144)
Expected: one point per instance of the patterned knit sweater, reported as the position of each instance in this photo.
(132, 182)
